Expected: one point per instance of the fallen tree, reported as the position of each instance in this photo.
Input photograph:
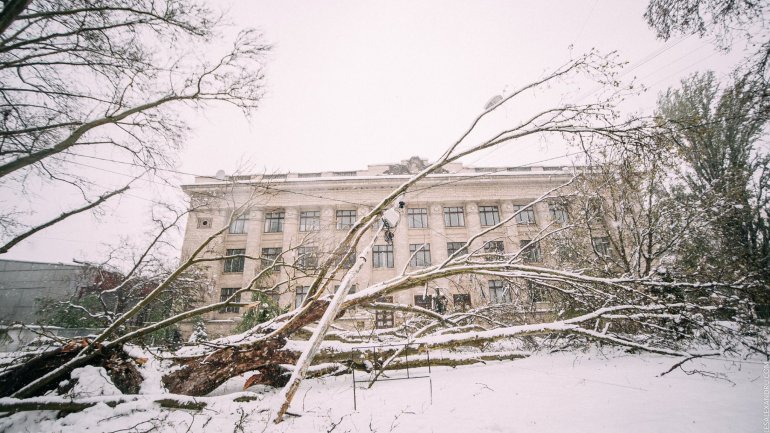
(636, 307)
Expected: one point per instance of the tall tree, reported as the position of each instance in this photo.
(719, 134)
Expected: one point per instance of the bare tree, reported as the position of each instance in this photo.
(80, 78)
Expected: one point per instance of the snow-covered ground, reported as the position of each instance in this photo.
(568, 392)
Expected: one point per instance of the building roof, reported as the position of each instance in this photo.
(402, 170)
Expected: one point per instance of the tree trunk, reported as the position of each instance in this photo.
(119, 366)
(202, 374)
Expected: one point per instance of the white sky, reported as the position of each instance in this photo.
(351, 83)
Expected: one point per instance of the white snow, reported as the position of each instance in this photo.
(565, 392)
(92, 382)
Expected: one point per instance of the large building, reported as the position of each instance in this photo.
(302, 215)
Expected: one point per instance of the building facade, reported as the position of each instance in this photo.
(303, 215)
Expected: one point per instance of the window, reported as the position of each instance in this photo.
(274, 222)
(348, 261)
(417, 218)
(344, 173)
(305, 175)
(345, 219)
(420, 255)
(307, 257)
(462, 301)
(536, 292)
(226, 293)
(234, 264)
(453, 247)
(525, 216)
(301, 294)
(352, 289)
(494, 250)
(382, 256)
(594, 209)
(602, 246)
(489, 215)
(530, 252)
(309, 221)
(384, 319)
(499, 292)
(238, 226)
(267, 298)
(558, 213)
(423, 301)
(454, 217)
(269, 255)
(204, 223)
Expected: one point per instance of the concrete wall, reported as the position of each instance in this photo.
(23, 283)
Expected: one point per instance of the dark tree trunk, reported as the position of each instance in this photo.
(120, 367)
(202, 374)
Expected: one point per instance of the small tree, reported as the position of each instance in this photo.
(199, 333)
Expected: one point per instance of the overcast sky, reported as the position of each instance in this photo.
(351, 83)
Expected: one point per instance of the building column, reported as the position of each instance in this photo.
(473, 223)
(511, 229)
(253, 240)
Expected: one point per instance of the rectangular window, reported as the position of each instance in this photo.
(499, 292)
(238, 226)
(307, 257)
(417, 218)
(274, 222)
(602, 246)
(558, 213)
(422, 301)
(267, 298)
(234, 264)
(530, 252)
(489, 215)
(348, 261)
(384, 319)
(352, 289)
(454, 217)
(301, 294)
(526, 216)
(462, 301)
(309, 221)
(420, 255)
(226, 293)
(453, 247)
(269, 255)
(382, 256)
(494, 250)
(345, 219)
(594, 209)
(536, 292)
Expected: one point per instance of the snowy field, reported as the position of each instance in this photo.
(545, 393)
